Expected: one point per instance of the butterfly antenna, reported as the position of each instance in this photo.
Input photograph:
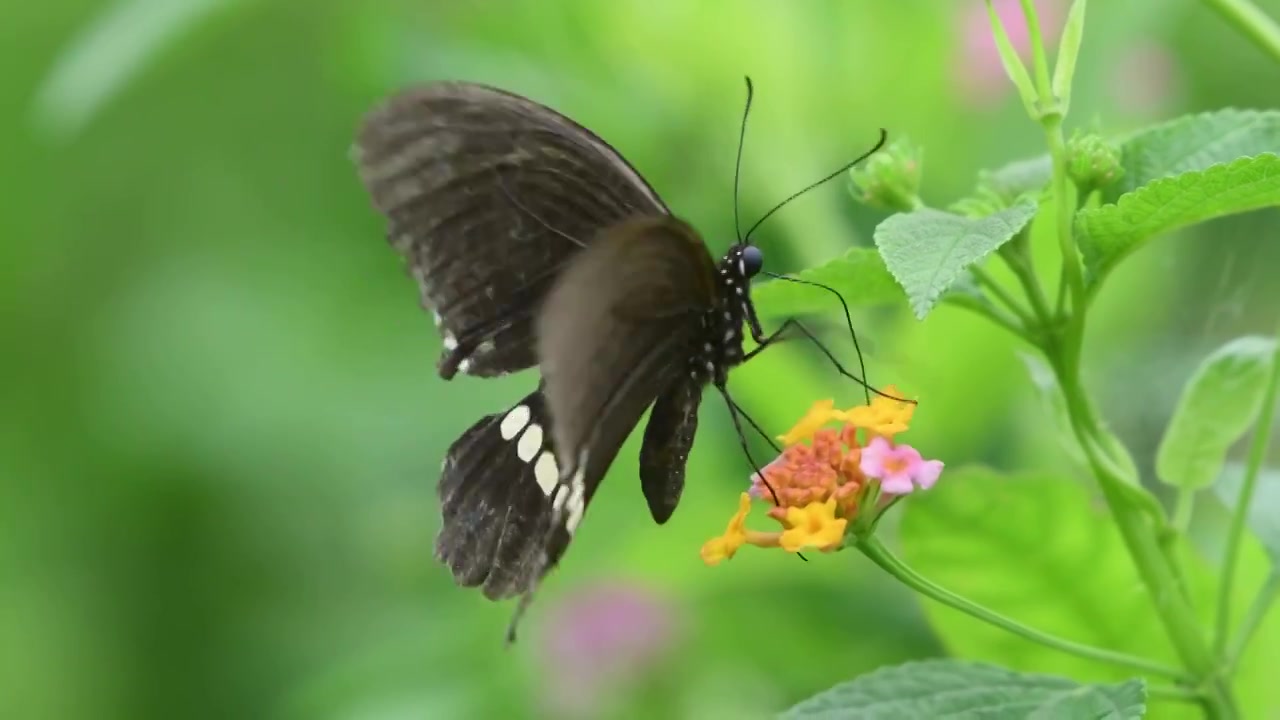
(884, 137)
(737, 167)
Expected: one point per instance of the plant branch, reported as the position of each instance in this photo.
(890, 563)
(1249, 20)
(1257, 613)
(1240, 513)
(985, 280)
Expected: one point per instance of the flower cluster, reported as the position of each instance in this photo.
(826, 477)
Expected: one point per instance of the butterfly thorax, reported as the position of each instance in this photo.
(722, 325)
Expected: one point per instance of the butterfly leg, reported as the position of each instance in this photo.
(742, 438)
(763, 341)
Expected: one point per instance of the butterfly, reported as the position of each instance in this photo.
(536, 244)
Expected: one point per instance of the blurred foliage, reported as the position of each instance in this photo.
(220, 422)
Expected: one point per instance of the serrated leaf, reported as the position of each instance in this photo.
(1041, 550)
(1110, 232)
(1218, 404)
(1195, 142)
(859, 276)
(958, 689)
(928, 250)
(1264, 510)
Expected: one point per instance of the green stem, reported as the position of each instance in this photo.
(1257, 612)
(1063, 190)
(1235, 531)
(1179, 694)
(1031, 286)
(1010, 302)
(1251, 22)
(1141, 538)
(890, 563)
(1171, 606)
(1039, 58)
(992, 313)
(1183, 507)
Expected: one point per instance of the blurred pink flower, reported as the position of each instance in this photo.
(598, 639)
(980, 78)
(1146, 79)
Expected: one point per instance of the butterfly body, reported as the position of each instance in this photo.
(535, 244)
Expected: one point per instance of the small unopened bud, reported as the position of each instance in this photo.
(1092, 162)
(890, 179)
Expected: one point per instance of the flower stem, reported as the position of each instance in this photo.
(1235, 531)
(890, 563)
(1251, 22)
(1257, 612)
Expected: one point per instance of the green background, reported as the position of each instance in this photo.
(219, 419)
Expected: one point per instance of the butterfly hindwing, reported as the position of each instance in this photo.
(496, 490)
(488, 195)
(618, 327)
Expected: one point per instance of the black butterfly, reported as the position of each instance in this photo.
(537, 244)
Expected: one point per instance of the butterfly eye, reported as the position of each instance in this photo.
(752, 260)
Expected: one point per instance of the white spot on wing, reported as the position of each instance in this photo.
(514, 422)
(530, 442)
(450, 342)
(546, 472)
(562, 493)
(465, 366)
(577, 502)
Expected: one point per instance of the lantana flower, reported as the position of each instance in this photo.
(829, 480)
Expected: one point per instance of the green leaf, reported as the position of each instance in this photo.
(859, 275)
(1218, 404)
(1041, 550)
(1012, 180)
(1110, 232)
(928, 250)
(958, 689)
(1264, 511)
(1013, 66)
(1068, 51)
(1195, 142)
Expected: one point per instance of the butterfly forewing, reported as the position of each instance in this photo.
(488, 195)
(615, 332)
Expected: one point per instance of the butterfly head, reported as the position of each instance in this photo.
(752, 261)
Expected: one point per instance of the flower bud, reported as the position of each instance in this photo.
(890, 179)
(1092, 162)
